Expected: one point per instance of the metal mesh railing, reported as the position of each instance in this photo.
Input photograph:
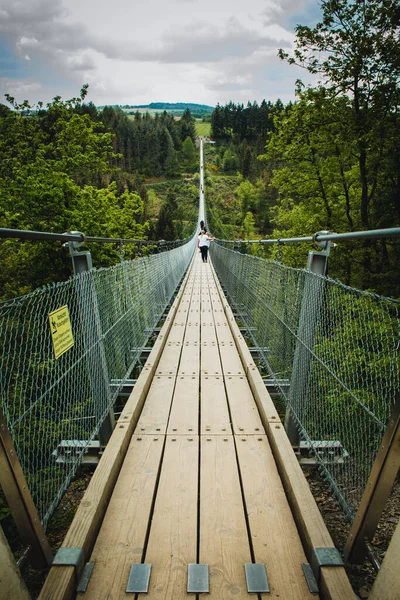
(55, 407)
(336, 346)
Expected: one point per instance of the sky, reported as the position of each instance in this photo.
(200, 51)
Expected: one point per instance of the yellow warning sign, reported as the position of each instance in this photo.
(61, 331)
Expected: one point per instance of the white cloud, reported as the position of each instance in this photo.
(180, 50)
(21, 89)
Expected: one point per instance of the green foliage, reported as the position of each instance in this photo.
(189, 153)
(55, 172)
(187, 126)
(248, 227)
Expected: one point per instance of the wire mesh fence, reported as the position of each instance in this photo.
(54, 407)
(336, 346)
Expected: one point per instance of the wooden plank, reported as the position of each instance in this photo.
(190, 359)
(210, 363)
(224, 544)
(169, 361)
(177, 332)
(184, 417)
(214, 414)
(244, 413)
(154, 417)
(223, 331)
(207, 330)
(230, 359)
(122, 536)
(192, 333)
(276, 541)
(172, 542)
(60, 582)
(11, 582)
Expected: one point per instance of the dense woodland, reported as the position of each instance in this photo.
(329, 160)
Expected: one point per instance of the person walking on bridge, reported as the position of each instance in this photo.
(204, 243)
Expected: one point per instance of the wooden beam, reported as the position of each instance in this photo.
(20, 501)
(387, 582)
(379, 486)
(11, 583)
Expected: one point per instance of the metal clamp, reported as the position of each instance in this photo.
(256, 578)
(139, 578)
(325, 557)
(279, 251)
(85, 578)
(70, 557)
(198, 580)
(310, 579)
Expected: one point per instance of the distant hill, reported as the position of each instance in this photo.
(169, 106)
(198, 111)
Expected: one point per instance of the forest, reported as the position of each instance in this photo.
(330, 160)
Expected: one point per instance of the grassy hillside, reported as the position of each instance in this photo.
(203, 129)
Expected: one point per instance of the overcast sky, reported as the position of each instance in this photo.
(203, 51)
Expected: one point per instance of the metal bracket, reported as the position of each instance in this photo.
(309, 575)
(325, 557)
(86, 575)
(256, 578)
(198, 582)
(70, 557)
(139, 577)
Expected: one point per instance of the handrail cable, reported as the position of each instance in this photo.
(73, 236)
(324, 236)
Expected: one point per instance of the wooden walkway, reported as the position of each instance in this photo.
(203, 477)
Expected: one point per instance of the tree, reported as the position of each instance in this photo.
(165, 226)
(187, 126)
(55, 168)
(356, 49)
(248, 227)
(189, 153)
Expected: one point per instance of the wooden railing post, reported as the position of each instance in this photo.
(12, 584)
(379, 486)
(387, 582)
(20, 501)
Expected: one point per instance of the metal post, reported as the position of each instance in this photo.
(82, 263)
(20, 501)
(378, 488)
(308, 322)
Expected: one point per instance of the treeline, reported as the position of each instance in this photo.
(152, 146)
(237, 123)
(332, 159)
(70, 167)
(198, 111)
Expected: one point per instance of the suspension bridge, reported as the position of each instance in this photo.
(198, 489)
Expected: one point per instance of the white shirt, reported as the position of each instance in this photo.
(204, 240)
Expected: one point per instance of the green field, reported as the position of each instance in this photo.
(203, 129)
